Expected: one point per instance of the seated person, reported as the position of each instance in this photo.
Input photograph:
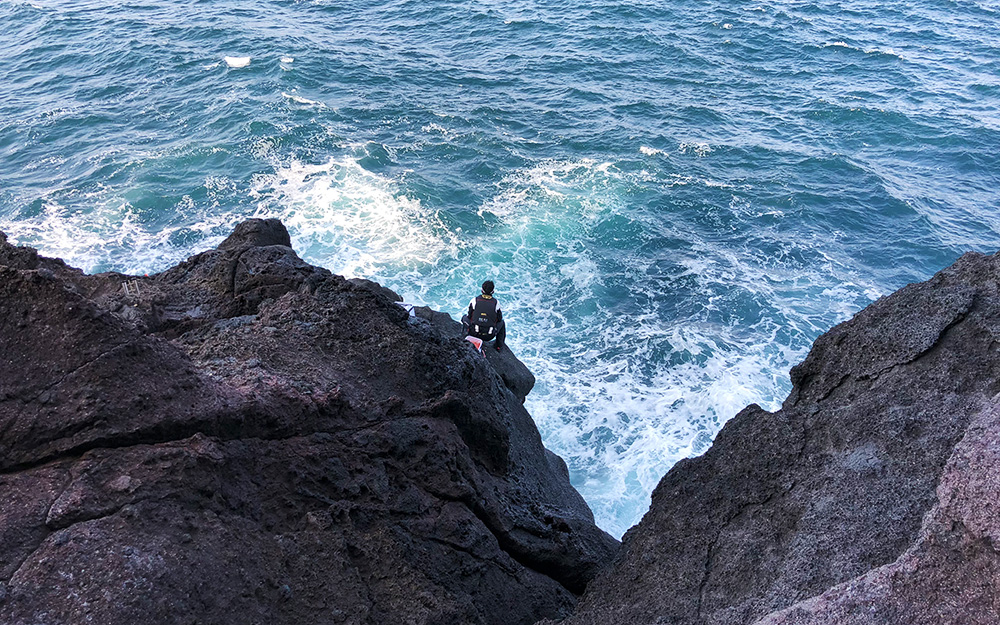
(484, 319)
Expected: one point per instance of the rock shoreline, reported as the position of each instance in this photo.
(245, 438)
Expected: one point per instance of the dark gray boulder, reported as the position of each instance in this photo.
(872, 491)
(245, 438)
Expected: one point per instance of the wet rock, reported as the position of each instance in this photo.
(257, 233)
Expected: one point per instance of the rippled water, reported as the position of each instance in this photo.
(675, 198)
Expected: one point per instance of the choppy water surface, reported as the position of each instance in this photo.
(675, 198)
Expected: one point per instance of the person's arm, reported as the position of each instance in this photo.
(499, 314)
(472, 307)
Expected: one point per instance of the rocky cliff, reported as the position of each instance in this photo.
(871, 497)
(246, 438)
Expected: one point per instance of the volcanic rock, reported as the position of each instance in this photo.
(871, 497)
(516, 377)
(246, 438)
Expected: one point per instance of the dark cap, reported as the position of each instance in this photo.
(488, 287)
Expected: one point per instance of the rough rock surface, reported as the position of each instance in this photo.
(952, 572)
(871, 497)
(245, 438)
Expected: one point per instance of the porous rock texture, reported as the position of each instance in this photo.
(249, 439)
(871, 497)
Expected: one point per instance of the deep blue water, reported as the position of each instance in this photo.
(675, 198)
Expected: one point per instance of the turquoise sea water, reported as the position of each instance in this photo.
(675, 198)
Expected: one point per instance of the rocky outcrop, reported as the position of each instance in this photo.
(245, 438)
(871, 497)
(951, 574)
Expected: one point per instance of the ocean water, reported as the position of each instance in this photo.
(674, 198)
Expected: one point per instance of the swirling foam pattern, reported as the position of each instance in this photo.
(675, 198)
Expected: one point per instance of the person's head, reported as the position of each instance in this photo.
(488, 287)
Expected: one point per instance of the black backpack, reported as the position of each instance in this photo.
(484, 317)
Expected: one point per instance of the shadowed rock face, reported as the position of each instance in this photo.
(246, 438)
(872, 496)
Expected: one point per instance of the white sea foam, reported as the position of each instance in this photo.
(287, 59)
(715, 184)
(352, 221)
(49, 162)
(237, 62)
(621, 396)
(211, 65)
(699, 148)
(885, 52)
(621, 424)
(870, 51)
(608, 400)
(102, 231)
(550, 189)
(649, 151)
(341, 216)
(621, 427)
(301, 100)
(434, 128)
